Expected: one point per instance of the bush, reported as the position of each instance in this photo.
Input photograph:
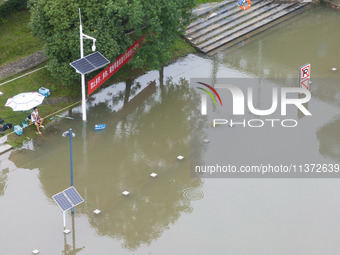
(9, 6)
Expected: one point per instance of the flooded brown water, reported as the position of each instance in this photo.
(147, 128)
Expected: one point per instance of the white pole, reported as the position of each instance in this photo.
(64, 218)
(83, 102)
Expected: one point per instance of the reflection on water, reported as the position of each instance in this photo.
(5, 167)
(3, 179)
(313, 38)
(71, 248)
(148, 126)
(329, 139)
(145, 135)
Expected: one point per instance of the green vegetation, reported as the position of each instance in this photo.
(198, 2)
(9, 6)
(181, 48)
(30, 83)
(43, 78)
(115, 24)
(16, 40)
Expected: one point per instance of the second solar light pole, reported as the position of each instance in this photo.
(71, 159)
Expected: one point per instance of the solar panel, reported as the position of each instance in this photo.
(62, 201)
(90, 63)
(97, 59)
(83, 66)
(74, 196)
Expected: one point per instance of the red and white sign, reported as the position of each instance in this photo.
(304, 76)
(113, 67)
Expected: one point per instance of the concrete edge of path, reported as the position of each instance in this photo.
(4, 148)
(22, 65)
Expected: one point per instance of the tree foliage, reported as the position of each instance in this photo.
(116, 24)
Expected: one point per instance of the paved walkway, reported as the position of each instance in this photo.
(22, 65)
(4, 148)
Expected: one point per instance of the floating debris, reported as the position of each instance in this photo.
(125, 193)
(334, 69)
(153, 175)
(35, 252)
(206, 140)
(67, 231)
(97, 211)
(180, 157)
(100, 127)
(66, 117)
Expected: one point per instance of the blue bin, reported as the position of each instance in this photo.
(44, 91)
(18, 130)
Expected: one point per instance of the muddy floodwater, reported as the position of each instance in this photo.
(148, 125)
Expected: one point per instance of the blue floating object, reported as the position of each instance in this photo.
(241, 2)
(100, 127)
(52, 118)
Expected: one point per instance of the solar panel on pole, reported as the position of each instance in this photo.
(67, 199)
(73, 196)
(97, 59)
(62, 201)
(90, 63)
(83, 66)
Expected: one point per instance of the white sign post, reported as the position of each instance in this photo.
(304, 76)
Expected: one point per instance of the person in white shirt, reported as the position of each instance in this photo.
(36, 119)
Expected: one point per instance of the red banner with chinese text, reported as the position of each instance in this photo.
(113, 67)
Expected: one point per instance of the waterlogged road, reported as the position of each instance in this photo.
(148, 125)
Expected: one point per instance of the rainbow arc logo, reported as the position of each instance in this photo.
(209, 93)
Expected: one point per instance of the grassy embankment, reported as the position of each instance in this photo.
(206, 1)
(17, 42)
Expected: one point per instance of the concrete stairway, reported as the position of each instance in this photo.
(225, 24)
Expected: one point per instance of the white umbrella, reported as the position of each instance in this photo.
(25, 101)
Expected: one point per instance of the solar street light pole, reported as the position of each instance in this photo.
(64, 219)
(83, 102)
(71, 160)
(70, 134)
(83, 91)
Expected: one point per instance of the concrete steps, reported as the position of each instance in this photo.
(206, 20)
(228, 22)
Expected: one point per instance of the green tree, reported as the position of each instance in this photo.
(116, 24)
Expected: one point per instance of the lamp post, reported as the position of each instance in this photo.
(84, 36)
(70, 134)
